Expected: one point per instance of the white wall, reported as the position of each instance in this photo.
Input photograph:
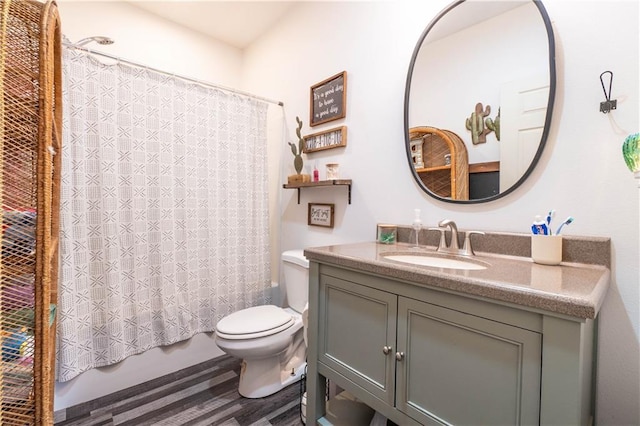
(144, 38)
(581, 172)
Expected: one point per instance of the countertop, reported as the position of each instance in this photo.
(572, 289)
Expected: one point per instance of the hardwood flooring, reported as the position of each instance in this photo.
(201, 395)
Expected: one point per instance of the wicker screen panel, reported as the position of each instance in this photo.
(444, 170)
(29, 40)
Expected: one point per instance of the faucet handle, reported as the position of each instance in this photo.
(467, 250)
(443, 241)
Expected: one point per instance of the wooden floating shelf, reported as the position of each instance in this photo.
(332, 182)
(433, 169)
(491, 166)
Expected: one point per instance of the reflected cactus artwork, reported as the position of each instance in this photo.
(494, 125)
(631, 152)
(475, 124)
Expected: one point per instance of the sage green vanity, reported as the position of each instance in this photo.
(510, 344)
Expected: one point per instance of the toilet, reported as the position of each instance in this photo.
(269, 339)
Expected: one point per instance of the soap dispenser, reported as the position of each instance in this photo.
(417, 226)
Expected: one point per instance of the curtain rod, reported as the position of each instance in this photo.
(188, 79)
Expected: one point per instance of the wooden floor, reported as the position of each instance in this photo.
(205, 394)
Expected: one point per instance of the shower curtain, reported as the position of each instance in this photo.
(164, 211)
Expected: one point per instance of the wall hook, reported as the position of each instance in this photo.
(609, 104)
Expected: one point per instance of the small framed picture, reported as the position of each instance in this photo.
(321, 214)
(328, 99)
(327, 139)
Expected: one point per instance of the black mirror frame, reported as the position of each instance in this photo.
(549, 114)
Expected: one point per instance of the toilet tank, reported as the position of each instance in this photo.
(295, 273)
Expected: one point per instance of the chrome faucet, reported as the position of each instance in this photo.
(454, 246)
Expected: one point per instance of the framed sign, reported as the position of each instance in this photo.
(321, 215)
(327, 139)
(328, 99)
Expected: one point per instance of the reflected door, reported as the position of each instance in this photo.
(523, 109)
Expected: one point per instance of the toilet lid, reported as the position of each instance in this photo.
(258, 321)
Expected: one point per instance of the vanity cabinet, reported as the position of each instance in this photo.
(423, 356)
(357, 335)
(464, 369)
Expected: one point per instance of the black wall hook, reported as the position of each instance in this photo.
(609, 104)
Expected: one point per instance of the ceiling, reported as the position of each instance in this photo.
(237, 23)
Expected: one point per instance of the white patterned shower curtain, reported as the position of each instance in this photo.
(164, 211)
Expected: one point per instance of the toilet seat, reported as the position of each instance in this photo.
(251, 323)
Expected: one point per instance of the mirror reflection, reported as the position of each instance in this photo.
(479, 97)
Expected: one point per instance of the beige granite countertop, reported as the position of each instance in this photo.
(573, 289)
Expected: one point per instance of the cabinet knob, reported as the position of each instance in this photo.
(386, 350)
(399, 356)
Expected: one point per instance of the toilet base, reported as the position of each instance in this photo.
(260, 377)
(269, 363)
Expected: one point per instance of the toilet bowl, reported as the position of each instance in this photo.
(269, 339)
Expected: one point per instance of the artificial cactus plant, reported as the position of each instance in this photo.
(494, 125)
(475, 124)
(297, 150)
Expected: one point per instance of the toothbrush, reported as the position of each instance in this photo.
(567, 221)
(550, 216)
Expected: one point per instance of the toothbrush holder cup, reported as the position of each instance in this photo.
(546, 249)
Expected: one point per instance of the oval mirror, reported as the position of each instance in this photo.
(479, 99)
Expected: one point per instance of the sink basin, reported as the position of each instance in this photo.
(437, 261)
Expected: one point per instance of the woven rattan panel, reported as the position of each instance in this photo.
(27, 179)
(462, 166)
(439, 182)
(445, 170)
(434, 150)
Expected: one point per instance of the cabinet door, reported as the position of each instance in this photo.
(355, 324)
(462, 369)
